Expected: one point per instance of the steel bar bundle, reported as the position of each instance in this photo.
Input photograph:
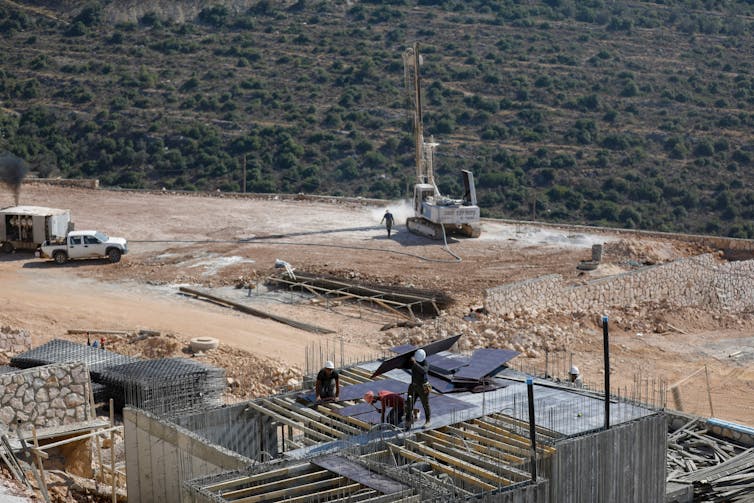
(165, 386)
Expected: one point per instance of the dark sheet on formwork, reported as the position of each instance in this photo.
(353, 471)
(356, 391)
(440, 404)
(484, 362)
(402, 360)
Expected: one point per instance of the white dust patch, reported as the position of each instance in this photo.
(532, 235)
(213, 265)
(401, 210)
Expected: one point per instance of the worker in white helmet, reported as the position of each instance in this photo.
(328, 383)
(575, 376)
(419, 387)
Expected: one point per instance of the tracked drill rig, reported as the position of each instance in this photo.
(435, 215)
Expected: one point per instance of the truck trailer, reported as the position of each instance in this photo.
(27, 227)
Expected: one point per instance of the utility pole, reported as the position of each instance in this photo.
(243, 187)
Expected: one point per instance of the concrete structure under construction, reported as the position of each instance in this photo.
(477, 447)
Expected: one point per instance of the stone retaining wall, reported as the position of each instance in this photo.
(84, 183)
(695, 281)
(14, 341)
(51, 395)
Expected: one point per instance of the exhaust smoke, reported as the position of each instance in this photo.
(12, 173)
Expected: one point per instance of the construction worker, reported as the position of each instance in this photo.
(328, 383)
(389, 400)
(575, 376)
(388, 219)
(419, 387)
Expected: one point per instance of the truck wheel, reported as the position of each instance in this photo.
(60, 257)
(113, 255)
(7, 247)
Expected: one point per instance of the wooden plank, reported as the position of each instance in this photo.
(256, 312)
(358, 473)
(318, 416)
(290, 422)
(326, 495)
(480, 472)
(250, 479)
(482, 449)
(306, 478)
(486, 440)
(347, 419)
(479, 457)
(289, 492)
(516, 439)
(296, 416)
(470, 479)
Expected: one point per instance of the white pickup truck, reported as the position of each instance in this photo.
(84, 245)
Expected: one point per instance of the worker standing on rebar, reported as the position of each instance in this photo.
(419, 387)
(575, 376)
(389, 400)
(388, 219)
(328, 383)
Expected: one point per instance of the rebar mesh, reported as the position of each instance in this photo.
(63, 351)
(165, 386)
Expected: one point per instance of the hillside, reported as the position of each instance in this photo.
(630, 114)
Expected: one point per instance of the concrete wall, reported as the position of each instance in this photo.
(625, 464)
(160, 456)
(51, 395)
(14, 341)
(695, 281)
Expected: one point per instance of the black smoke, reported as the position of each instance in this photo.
(12, 173)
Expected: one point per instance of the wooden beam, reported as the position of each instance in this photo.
(327, 494)
(311, 423)
(290, 491)
(479, 449)
(306, 478)
(317, 416)
(412, 456)
(479, 456)
(514, 438)
(348, 419)
(486, 440)
(280, 472)
(480, 472)
(290, 422)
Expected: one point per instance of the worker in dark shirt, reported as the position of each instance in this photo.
(419, 387)
(328, 383)
(389, 220)
(389, 400)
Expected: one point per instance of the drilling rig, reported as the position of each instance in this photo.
(435, 215)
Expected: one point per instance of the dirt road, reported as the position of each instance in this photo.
(216, 242)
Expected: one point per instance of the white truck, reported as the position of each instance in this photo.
(84, 245)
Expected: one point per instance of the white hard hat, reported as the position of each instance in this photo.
(329, 364)
(420, 355)
(574, 370)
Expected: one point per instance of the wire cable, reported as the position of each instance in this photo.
(254, 241)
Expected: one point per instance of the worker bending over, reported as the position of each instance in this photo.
(389, 400)
(575, 376)
(328, 383)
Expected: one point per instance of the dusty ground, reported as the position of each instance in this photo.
(193, 240)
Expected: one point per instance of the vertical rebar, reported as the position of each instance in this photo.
(606, 350)
(532, 427)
